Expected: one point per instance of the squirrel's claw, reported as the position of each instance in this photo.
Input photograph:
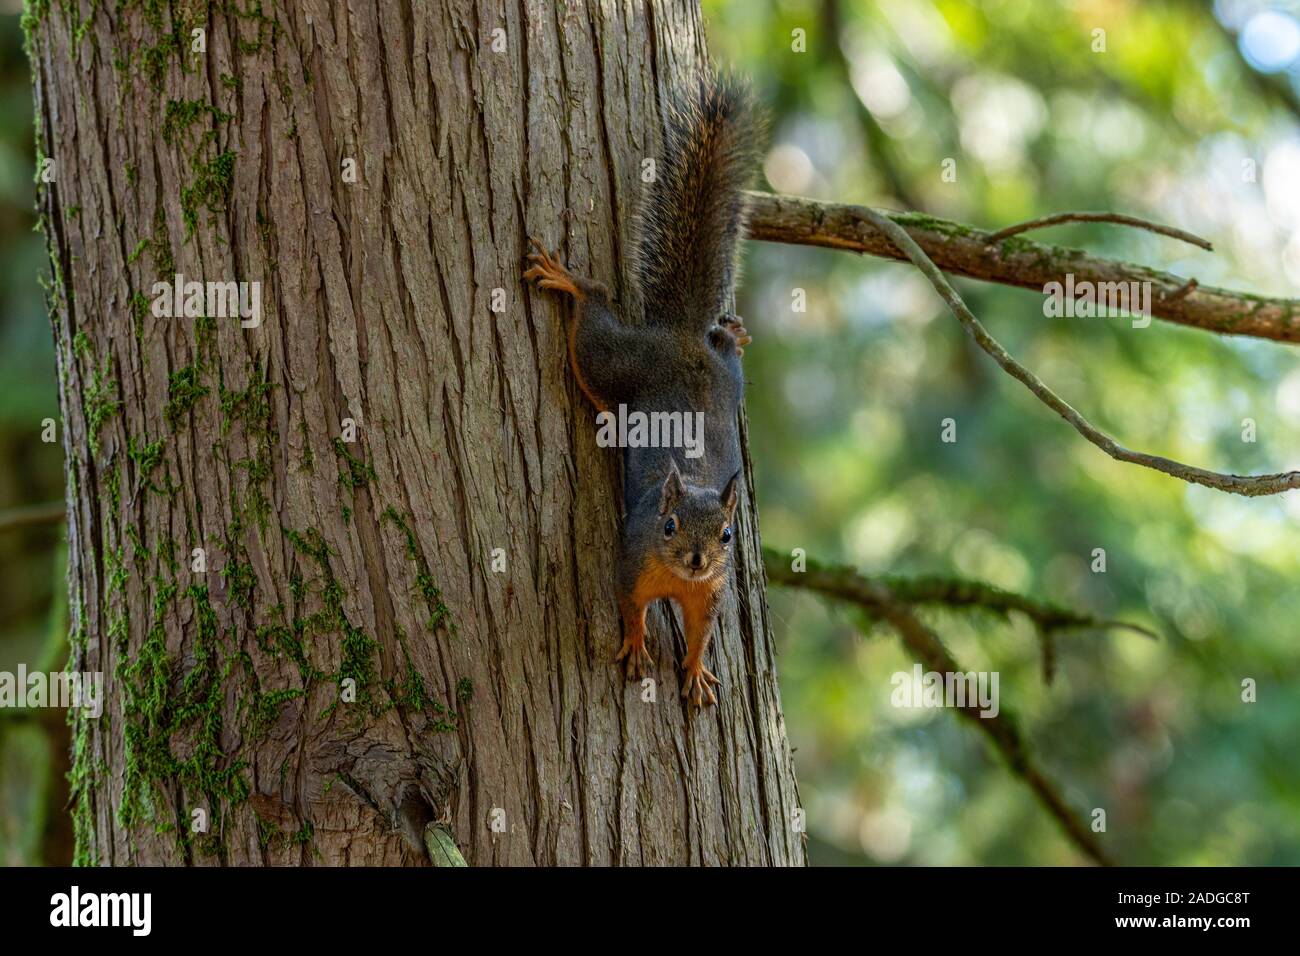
(548, 272)
(636, 659)
(696, 685)
(541, 252)
(730, 330)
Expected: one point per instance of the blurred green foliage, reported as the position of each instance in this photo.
(846, 399)
(845, 405)
(32, 744)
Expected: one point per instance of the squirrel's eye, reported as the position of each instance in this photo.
(726, 535)
(669, 527)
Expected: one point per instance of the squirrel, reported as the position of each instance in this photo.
(684, 356)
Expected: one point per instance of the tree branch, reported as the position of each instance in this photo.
(31, 515)
(959, 593)
(1247, 485)
(1057, 219)
(878, 599)
(954, 593)
(965, 251)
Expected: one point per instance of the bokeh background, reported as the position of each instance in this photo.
(1190, 116)
(34, 828)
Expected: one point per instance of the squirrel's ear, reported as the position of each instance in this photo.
(731, 495)
(672, 491)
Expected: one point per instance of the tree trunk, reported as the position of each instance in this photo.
(450, 562)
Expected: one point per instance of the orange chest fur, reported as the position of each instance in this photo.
(657, 580)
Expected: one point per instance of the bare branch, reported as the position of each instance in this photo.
(1248, 485)
(1115, 217)
(925, 646)
(965, 251)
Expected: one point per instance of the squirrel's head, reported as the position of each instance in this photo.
(694, 532)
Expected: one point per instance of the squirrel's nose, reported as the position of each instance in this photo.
(697, 560)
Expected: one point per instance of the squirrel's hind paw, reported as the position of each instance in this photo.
(548, 273)
(730, 333)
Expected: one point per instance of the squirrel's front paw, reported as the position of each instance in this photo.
(730, 332)
(548, 273)
(695, 685)
(636, 659)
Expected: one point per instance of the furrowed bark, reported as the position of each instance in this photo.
(487, 699)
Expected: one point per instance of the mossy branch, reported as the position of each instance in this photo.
(880, 600)
(1247, 485)
(1015, 261)
(933, 590)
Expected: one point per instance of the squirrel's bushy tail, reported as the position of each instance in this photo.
(693, 214)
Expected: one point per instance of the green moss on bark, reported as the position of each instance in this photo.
(184, 388)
